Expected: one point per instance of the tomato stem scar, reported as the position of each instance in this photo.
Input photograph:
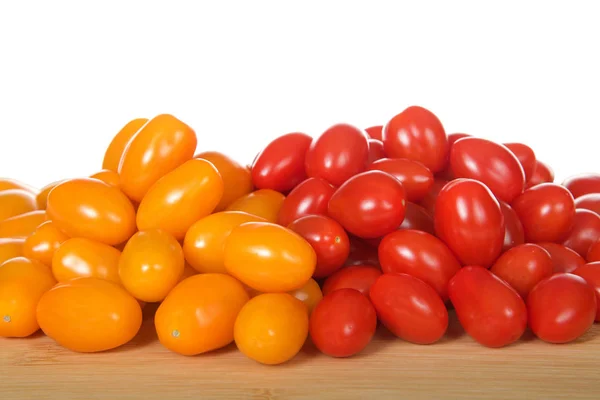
(6, 318)
(338, 239)
(175, 333)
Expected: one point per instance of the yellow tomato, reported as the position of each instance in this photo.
(10, 248)
(180, 198)
(43, 243)
(92, 209)
(268, 257)
(7, 183)
(83, 258)
(264, 203)
(151, 265)
(22, 284)
(89, 315)
(42, 197)
(237, 179)
(23, 225)
(204, 243)
(107, 176)
(198, 314)
(15, 202)
(271, 328)
(310, 294)
(160, 146)
(187, 272)
(117, 146)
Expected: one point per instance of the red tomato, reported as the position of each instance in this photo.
(409, 308)
(376, 151)
(591, 273)
(582, 184)
(374, 132)
(341, 152)
(327, 238)
(415, 177)
(585, 231)
(563, 258)
(309, 197)
(428, 202)
(590, 201)
(561, 308)
(416, 217)
(594, 252)
(513, 229)
(362, 253)
(447, 172)
(490, 310)
(490, 163)
(547, 212)
(523, 266)
(343, 323)
(469, 220)
(280, 166)
(369, 213)
(542, 173)
(359, 277)
(526, 157)
(417, 134)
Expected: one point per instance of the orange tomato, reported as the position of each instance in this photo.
(15, 202)
(10, 248)
(42, 197)
(310, 294)
(187, 272)
(22, 284)
(92, 209)
(160, 146)
(198, 314)
(7, 183)
(107, 176)
(180, 198)
(22, 225)
(43, 243)
(264, 203)
(151, 265)
(83, 258)
(271, 328)
(268, 257)
(89, 315)
(204, 243)
(117, 146)
(237, 179)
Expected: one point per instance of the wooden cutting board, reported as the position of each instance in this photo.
(454, 368)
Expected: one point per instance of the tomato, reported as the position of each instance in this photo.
(22, 225)
(585, 231)
(107, 176)
(310, 294)
(547, 212)
(490, 163)
(417, 218)
(469, 220)
(236, 179)
(160, 146)
(199, 314)
(280, 166)
(84, 258)
(376, 151)
(7, 184)
(591, 273)
(489, 310)
(409, 308)
(343, 323)
(89, 315)
(563, 258)
(43, 243)
(271, 328)
(91, 209)
(375, 132)
(447, 172)
(264, 203)
(268, 257)
(414, 176)
(592, 255)
(15, 202)
(187, 272)
(542, 173)
(513, 229)
(117, 146)
(180, 198)
(421, 255)
(369, 213)
(526, 157)
(582, 184)
(10, 248)
(523, 266)
(561, 308)
(590, 201)
(428, 202)
(327, 238)
(308, 198)
(361, 253)
(151, 264)
(42, 197)
(339, 153)
(359, 277)
(22, 284)
(204, 243)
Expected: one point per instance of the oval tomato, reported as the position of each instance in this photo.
(10, 248)
(591, 273)
(428, 202)
(361, 253)
(414, 176)
(582, 184)
(590, 201)
(542, 173)
(7, 184)
(585, 231)
(417, 218)
(117, 146)
(375, 132)
(15, 202)
(310, 294)
(109, 177)
(264, 203)
(308, 198)
(22, 225)
(446, 173)
(43, 243)
(359, 277)
(376, 151)
(513, 229)
(563, 258)
(42, 197)
(592, 255)
(526, 157)
(79, 257)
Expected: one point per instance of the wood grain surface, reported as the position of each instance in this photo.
(454, 368)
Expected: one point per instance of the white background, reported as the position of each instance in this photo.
(241, 73)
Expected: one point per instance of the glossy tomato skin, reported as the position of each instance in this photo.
(489, 310)
(446, 173)
(513, 229)
(10, 248)
(414, 176)
(43, 243)
(591, 273)
(339, 153)
(343, 323)
(409, 308)
(280, 166)
(264, 203)
(421, 255)
(91, 209)
(417, 134)
(590, 201)
(525, 155)
(376, 151)
(594, 252)
(369, 205)
(523, 266)
(547, 212)
(542, 173)
(428, 202)
(417, 218)
(83, 258)
(359, 277)
(117, 146)
(109, 177)
(327, 238)
(15, 202)
(585, 231)
(362, 253)
(310, 197)
(582, 184)
(22, 225)
(310, 294)
(563, 258)
(375, 132)
(7, 183)
(42, 197)
(490, 163)
(561, 308)
(469, 220)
